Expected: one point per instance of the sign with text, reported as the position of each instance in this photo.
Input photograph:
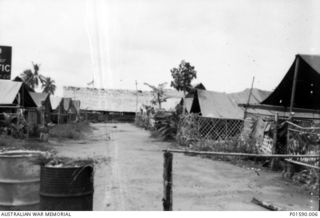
(5, 62)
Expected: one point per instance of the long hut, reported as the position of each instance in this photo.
(108, 104)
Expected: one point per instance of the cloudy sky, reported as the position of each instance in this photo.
(116, 42)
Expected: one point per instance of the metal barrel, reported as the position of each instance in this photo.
(66, 188)
(19, 180)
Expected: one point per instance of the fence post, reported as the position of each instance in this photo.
(167, 181)
(274, 144)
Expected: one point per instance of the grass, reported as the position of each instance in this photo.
(74, 131)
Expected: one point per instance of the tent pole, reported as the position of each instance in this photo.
(294, 84)
(249, 98)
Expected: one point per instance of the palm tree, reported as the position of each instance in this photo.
(32, 79)
(158, 93)
(48, 85)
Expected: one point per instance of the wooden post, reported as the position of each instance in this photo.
(294, 84)
(58, 115)
(167, 181)
(274, 143)
(248, 102)
(318, 187)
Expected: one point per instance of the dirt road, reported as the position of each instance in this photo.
(128, 176)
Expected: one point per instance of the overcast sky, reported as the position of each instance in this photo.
(119, 41)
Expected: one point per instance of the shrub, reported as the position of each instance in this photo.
(71, 130)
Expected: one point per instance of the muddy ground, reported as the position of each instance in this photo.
(128, 175)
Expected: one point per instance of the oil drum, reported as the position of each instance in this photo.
(66, 188)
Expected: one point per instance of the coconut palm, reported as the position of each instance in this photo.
(32, 79)
(48, 85)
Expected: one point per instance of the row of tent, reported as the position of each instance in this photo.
(38, 107)
(303, 77)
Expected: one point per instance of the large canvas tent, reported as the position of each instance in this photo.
(15, 95)
(297, 97)
(301, 84)
(298, 93)
(225, 106)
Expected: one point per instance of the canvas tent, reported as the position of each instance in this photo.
(306, 70)
(221, 117)
(224, 106)
(44, 109)
(15, 98)
(58, 114)
(304, 98)
(15, 94)
(40, 98)
(297, 97)
(189, 97)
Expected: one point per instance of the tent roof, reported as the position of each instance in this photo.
(307, 93)
(313, 61)
(8, 91)
(257, 96)
(188, 104)
(55, 101)
(218, 105)
(66, 103)
(38, 98)
(76, 104)
(225, 106)
(199, 86)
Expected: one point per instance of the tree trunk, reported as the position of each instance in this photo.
(184, 103)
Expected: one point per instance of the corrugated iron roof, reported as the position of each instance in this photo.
(8, 91)
(113, 100)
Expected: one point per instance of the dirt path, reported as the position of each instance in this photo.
(129, 176)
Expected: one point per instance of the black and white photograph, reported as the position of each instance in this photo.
(159, 105)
